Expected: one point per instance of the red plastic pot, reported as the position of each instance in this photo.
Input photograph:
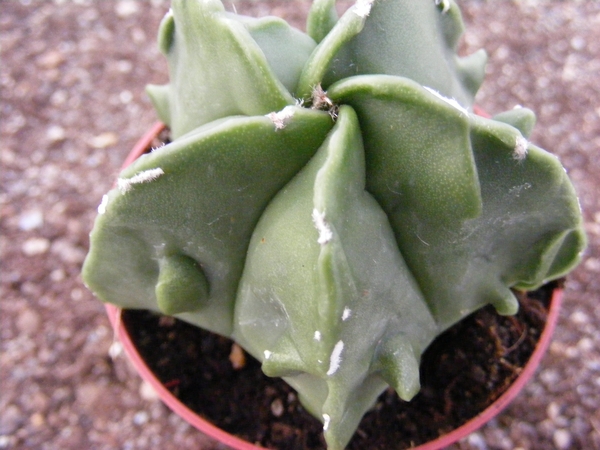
(236, 443)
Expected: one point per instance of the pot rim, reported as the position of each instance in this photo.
(114, 314)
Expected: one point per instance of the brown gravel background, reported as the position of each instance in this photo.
(72, 105)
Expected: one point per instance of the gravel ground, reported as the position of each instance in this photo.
(72, 79)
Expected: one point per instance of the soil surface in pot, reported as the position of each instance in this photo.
(462, 372)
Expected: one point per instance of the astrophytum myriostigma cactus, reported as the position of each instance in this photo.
(329, 200)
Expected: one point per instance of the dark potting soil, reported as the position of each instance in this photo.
(462, 372)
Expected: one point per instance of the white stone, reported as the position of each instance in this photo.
(35, 246)
(277, 408)
(126, 8)
(147, 392)
(115, 350)
(477, 441)
(104, 140)
(579, 318)
(55, 133)
(562, 439)
(31, 219)
(585, 344)
(592, 264)
(141, 417)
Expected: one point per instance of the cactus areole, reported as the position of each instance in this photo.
(329, 200)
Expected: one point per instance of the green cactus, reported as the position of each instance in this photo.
(329, 200)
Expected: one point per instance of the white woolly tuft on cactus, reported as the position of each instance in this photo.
(125, 184)
(325, 233)
(336, 358)
(363, 8)
(520, 152)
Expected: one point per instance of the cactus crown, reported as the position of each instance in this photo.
(329, 199)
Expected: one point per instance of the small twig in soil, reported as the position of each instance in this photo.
(448, 404)
(519, 341)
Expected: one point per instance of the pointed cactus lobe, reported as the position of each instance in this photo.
(329, 200)
(323, 262)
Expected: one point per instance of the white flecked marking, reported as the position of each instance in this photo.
(102, 205)
(346, 314)
(336, 358)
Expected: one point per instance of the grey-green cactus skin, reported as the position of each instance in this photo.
(333, 235)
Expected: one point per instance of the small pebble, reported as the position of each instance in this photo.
(51, 59)
(55, 133)
(592, 264)
(277, 407)
(125, 97)
(477, 441)
(10, 419)
(58, 275)
(141, 417)
(68, 252)
(124, 66)
(88, 394)
(585, 344)
(553, 410)
(28, 322)
(577, 43)
(237, 357)
(6, 441)
(497, 438)
(579, 318)
(126, 8)
(593, 364)
(35, 246)
(115, 350)
(562, 439)
(76, 294)
(550, 377)
(30, 220)
(37, 420)
(147, 392)
(104, 140)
